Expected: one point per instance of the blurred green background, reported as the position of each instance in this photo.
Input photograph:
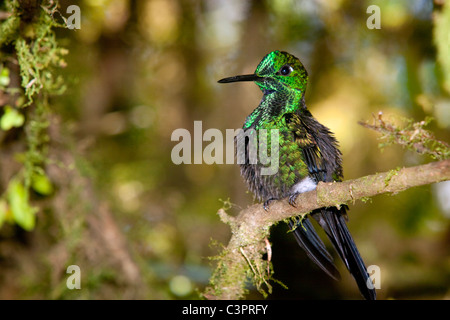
(141, 227)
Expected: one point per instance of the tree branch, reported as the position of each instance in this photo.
(243, 257)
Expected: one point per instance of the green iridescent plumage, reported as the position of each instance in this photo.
(307, 153)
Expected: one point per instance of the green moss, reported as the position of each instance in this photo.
(242, 263)
(366, 199)
(29, 32)
(39, 56)
(227, 275)
(391, 174)
(9, 29)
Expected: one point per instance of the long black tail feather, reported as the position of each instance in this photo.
(307, 238)
(332, 220)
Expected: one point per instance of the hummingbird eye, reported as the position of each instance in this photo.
(286, 70)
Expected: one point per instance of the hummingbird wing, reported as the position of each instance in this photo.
(303, 230)
(311, 138)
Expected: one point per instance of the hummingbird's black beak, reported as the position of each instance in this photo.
(245, 77)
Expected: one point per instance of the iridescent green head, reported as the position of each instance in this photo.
(277, 71)
(283, 79)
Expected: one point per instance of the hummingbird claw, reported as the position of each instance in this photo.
(266, 203)
(292, 198)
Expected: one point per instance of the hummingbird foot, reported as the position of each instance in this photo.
(266, 203)
(292, 198)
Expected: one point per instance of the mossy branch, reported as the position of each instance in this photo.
(412, 136)
(243, 257)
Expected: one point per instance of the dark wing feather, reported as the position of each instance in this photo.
(306, 141)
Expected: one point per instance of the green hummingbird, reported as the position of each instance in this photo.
(308, 153)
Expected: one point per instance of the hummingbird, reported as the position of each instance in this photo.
(308, 153)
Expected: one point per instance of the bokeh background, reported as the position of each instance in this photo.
(141, 227)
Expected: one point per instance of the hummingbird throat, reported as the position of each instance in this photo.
(273, 105)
